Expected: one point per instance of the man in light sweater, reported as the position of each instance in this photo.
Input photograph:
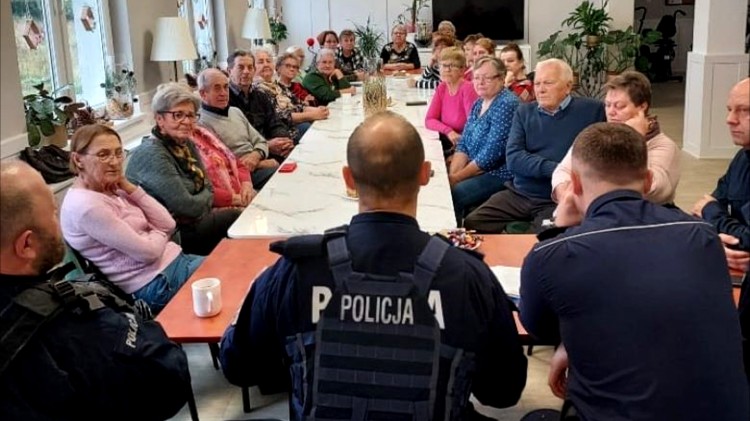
(232, 127)
(541, 134)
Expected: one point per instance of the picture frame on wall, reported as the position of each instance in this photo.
(679, 2)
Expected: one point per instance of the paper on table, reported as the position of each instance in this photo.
(510, 279)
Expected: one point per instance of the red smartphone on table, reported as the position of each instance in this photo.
(288, 166)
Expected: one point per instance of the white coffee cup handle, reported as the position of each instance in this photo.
(210, 296)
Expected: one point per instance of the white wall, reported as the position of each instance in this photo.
(306, 18)
(13, 121)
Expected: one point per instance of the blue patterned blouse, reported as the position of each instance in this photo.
(484, 137)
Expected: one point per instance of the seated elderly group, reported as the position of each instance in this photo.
(516, 151)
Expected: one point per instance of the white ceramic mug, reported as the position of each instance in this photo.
(206, 297)
(346, 98)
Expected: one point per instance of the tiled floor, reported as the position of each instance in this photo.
(218, 400)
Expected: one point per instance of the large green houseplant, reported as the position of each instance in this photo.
(590, 21)
(47, 115)
(623, 49)
(369, 42)
(369, 39)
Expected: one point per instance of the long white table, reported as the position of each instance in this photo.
(313, 197)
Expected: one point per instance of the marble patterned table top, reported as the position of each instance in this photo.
(313, 197)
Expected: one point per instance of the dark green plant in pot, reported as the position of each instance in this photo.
(591, 21)
(623, 48)
(45, 112)
(369, 39)
(279, 31)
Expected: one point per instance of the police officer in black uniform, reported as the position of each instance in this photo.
(639, 294)
(378, 320)
(65, 355)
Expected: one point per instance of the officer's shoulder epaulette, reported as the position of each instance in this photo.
(299, 247)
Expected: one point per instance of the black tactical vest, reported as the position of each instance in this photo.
(376, 353)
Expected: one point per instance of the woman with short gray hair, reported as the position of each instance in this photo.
(326, 82)
(168, 166)
(400, 54)
(478, 168)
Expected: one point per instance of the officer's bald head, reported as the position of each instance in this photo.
(385, 155)
(30, 239)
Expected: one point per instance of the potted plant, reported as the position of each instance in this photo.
(591, 21)
(279, 31)
(369, 42)
(369, 39)
(47, 116)
(623, 47)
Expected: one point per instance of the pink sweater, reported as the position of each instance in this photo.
(126, 237)
(663, 161)
(449, 112)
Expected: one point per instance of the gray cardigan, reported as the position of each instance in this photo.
(235, 131)
(153, 167)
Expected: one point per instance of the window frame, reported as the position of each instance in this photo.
(55, 27)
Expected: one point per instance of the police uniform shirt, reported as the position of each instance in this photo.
(642, 299)
(473, 309)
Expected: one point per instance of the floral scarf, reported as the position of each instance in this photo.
(184, 157)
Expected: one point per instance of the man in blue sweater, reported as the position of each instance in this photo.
(541, 134)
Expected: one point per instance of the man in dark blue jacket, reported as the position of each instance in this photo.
(638, 293)
(540, 136)
(728, 207)
(278, 331)
(93, 359)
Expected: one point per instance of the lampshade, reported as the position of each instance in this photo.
(256, 24)
(172, 41)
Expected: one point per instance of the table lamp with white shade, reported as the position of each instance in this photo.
(256, 27)
(173, 42)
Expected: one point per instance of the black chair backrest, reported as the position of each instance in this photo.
(667, 26)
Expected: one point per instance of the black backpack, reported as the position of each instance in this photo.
(34, 307)
(51, 161)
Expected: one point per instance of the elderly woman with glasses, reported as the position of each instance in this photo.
(400, 54)
(326, 82)
(478, 168)
(117, 226)
(169, 167)
(453, 100)
(294, 113)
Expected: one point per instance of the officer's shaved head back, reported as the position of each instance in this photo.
(30, 239)
(612, 152)
(16, 200)
(385, 155)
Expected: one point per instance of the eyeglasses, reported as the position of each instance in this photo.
(399, 33)
(449, 66)
(105, 155)
(291, 66)
(482, 79)
(181, 115)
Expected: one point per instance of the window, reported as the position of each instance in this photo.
(63, 43)
(199, 14)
